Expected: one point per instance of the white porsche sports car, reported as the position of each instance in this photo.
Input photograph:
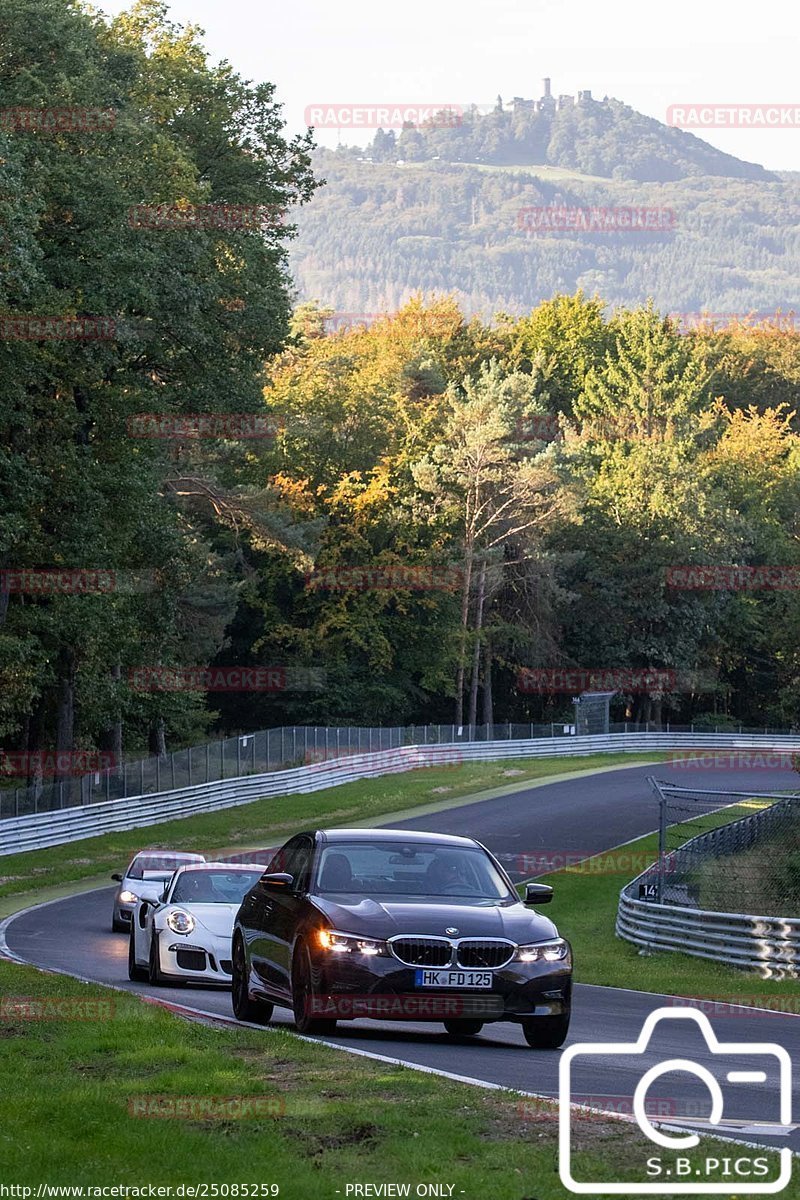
(185, 935)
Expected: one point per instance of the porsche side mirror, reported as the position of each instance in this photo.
(276, 879)
(538, 893)
(117, 877)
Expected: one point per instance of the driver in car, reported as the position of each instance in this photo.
(443, 874)
(198, 889)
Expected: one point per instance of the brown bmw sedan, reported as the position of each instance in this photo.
(399, 925)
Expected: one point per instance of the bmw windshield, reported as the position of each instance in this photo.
(413, 871)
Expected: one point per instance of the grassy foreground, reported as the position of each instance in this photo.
(585, 909)
(114, 1093)
(271, 821)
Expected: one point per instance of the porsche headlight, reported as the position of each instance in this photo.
(553, 951)
(127, 897)
(349, 943)
(180, 921)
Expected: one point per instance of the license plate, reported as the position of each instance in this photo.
(453, 979)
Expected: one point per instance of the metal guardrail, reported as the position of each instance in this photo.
(274, 750)
(39, 830)
(768, 945)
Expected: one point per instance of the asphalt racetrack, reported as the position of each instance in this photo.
(581, 817)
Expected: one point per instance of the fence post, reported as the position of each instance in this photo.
(662, 837)
(189, 764)
(172, 765)
(158, 773)
(238, 756)
(208, 763)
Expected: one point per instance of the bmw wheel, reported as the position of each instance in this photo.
(303, 996)
(244, 1007)
(546, 1033)
(463, 1028)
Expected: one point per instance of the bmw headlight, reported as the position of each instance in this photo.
(180, 922)
(127, 897)
(556, 950)
(349, 943)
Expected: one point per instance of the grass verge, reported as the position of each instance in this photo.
(68, 1118)
(585, 908)
(271, 821)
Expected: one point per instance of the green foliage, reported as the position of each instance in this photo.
(379, 232)
(595, 137)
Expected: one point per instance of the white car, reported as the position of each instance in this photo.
(144, 880)
(185, 935)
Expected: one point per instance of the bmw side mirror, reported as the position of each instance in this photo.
(538, 893)
(276, 879)
(117, 877)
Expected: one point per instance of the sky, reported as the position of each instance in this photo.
(649, 55)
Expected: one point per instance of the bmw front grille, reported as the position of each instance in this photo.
(470, 953)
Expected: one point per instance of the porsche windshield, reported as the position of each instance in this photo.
(213, 887)
(413, 870)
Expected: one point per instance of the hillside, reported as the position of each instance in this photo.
(595, 137)
(378, 232)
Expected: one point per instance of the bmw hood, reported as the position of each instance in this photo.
(376, 919)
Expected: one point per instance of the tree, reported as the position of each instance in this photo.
(479, 479)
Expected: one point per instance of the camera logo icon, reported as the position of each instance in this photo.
(674, 1173)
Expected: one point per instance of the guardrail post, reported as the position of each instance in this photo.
(141, 776)
(208, 763)
(662, 837)
(189, 763)
(158, 773)
(238, 757)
